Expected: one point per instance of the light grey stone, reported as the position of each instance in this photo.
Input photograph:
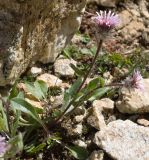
(134, 100)
(96, 155)
(96, 118)
(50, 80)
(124, 140)
(34, 71)
(80, 143)
(62, 67)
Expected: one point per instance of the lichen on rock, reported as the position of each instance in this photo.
(35, 30)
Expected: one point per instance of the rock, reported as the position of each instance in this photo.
(108, 77)
(72, 128)
(143, 122)
(96, 155)
(120, 72)
(76, 130)
(35, 30)
(36, 104)
(62, 67)
(106, 3)
(80, 143)
(124, 140)
(80, 113)
(125, 19)
(50, 79)
(144, 8)
(57, 101)
(133, 100)
(28, 94)
(145, 38)
(34, 71)
(104, 104)
(133, 29)
(96, 118)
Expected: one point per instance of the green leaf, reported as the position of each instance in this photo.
(3, 120)
(98, 93)
(35, 149)
(14, 91)
(78, 152)
(33, 90)
(38, 90)
(23, 106)
(43, 87)
(16, 146)
(73, 89)
(96, 82)
(15, 123)
(70, 93)
(77, 70)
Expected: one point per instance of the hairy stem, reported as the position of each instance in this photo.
(83, 82)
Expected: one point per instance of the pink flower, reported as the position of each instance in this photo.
(135, 81)
(105, 22)
(3, 146)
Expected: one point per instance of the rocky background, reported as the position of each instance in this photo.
(113, 128)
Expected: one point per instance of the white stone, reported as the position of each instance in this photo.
(80, 143)
(50, 79)
(124, 140)
(143, 122)
(96, 155)
(62, 67)
(134, 100)
(35, 71)
(96, 118)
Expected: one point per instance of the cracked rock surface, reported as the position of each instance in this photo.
(124, 140)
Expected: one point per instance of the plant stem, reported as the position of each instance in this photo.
(83, 82)
(109, 85)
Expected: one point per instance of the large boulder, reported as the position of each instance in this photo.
(34, 30)
(124, 140)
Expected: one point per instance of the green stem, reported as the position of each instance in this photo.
(83, 82)
(89, 93)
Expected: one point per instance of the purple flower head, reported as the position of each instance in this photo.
(135, 81)
(3, 146)
(105, 22)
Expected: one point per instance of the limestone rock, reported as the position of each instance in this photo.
(133, 29)
(96, 118)
(36, 104)
(134, 100)
(96, 155)
(125, 18)
(143, 122)
(57, 101)
(34, 71)
(80, 143)
(63, 68)
(50, 79)
(143, 6)
(106, 3)
(34, 30)
(108, 77)
(124, 140)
